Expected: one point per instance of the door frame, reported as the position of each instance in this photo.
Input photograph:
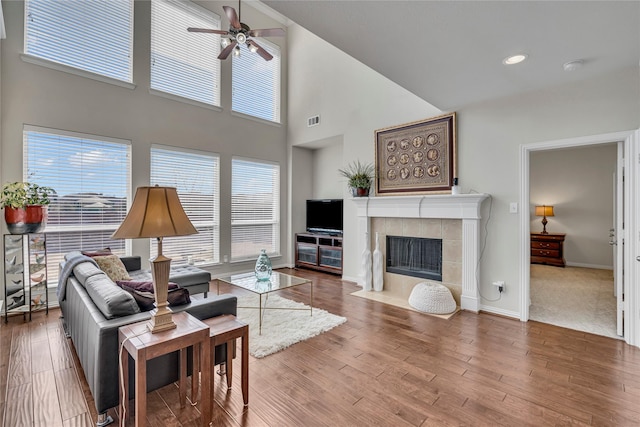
(631, 206)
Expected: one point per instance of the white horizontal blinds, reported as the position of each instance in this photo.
(196, 178)
(184, 63)
(92, 35)
(256, 83)
(90, 177)
(255, 208)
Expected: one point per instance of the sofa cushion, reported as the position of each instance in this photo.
(110, 299)
(183, 275)
(84, 270)
(142, 286)
(113, 267)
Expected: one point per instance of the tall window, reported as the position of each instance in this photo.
(256, 83)
(255, 208)
(95, 36)
(183, 63)
(195, 175)
(91, 179)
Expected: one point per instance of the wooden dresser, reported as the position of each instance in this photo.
(547, 249)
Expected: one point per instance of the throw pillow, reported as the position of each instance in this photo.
(98, 252)
(143, 286)
(113, 267)
(146, 300)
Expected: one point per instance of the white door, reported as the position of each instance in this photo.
(617, 240)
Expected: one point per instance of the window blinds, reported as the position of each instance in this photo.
(196, 178)
(256, 83)
(90, 176)
(95, 36)
(183, 63)
(255, 208)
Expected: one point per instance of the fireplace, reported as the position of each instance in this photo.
(415, 256)
(464, 209)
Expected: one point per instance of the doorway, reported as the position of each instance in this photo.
(626, 139)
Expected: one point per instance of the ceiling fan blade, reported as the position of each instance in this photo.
(233, 17)
(205, 30)
(227, 50)
(266, 55)
(268, 32)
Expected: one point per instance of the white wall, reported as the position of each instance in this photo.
(355, 101)
(578, 183)
(36, 95)
(352, 101)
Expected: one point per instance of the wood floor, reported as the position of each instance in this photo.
(386, 366)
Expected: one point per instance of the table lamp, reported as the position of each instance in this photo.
(156, 212)
(544, 211)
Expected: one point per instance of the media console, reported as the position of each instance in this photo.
(319, 252)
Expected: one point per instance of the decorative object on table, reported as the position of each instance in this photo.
(455, 189)
(25, 206)
(359, 176)
(432, 298)
(367, 265)
(239, 33)
(156, 212)
(418, 157)
(263, 266)
(544, 211)
(378, 267)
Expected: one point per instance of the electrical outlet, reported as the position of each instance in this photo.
(499, 285)
(225, 259)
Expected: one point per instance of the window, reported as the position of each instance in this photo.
(91, 179)
(183, 63)
(195, 175)
(256, 83)
(255, 208)
(95, 36)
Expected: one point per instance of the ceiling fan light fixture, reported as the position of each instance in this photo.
(514, 59)
(236, 51)
(253, 48)
(241, 38)
(224, 42)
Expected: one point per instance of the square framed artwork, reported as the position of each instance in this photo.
(418, 157)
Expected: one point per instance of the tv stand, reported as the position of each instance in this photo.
(321, 252)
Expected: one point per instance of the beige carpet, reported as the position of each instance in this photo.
(574, 298)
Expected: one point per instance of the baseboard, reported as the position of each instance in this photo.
(500, 312)
(355, 280)
(583, 265)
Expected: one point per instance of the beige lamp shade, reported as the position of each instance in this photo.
(544, 210)
(155, 212)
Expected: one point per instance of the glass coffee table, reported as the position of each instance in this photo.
(277, 282)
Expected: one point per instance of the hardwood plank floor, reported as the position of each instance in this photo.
(386, 366)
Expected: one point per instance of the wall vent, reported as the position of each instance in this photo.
(313, 121)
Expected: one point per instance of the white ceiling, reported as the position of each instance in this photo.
(450, 53)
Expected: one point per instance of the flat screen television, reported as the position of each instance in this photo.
(324, 216)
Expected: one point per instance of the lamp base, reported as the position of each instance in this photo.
(160, 322)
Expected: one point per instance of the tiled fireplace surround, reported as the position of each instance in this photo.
(453, 218)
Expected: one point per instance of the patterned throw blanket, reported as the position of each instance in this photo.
(72, 260)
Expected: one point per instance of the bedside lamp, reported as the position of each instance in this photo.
(156, 212)
(544, 211)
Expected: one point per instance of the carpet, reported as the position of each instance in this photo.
(282, 328)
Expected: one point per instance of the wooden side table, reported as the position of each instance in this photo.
(142, 345)
(547, 249)
(226, 329)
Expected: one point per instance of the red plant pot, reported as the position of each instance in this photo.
(30, 219)
(360, 192)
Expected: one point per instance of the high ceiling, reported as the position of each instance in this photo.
(450, 53)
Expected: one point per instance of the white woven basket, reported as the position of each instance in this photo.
(432, 298)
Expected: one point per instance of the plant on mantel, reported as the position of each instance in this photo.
(25, 206)
(359, 177)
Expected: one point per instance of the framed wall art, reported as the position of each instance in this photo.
(418, 157)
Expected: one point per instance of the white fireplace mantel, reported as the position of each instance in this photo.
(442, 206)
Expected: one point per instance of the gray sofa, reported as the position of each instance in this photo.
(93, 329)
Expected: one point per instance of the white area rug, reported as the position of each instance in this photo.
(282, 328)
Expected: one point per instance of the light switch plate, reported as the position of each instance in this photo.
(513, 207)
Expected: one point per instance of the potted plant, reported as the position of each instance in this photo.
(25, 206)
(359, 177)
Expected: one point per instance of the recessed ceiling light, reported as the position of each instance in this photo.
(514, 59)
(573, 65)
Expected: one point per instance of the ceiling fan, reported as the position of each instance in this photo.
(240, 33)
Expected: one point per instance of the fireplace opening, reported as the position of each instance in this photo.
(415, 256)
